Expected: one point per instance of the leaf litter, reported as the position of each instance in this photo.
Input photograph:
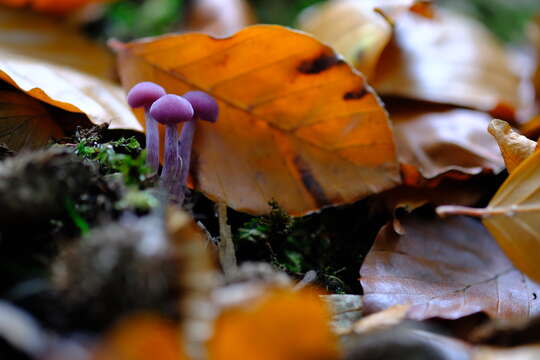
(108, 268)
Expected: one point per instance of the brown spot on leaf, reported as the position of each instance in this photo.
(355, 94)
(311, 184)
(319, 64)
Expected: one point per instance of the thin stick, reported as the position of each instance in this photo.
(227, 256)
(447, 210)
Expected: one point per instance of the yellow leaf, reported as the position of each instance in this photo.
(25, 122)
(283, 325)
(513, 216)
(514, 147)
(55, 64)
(296, 123)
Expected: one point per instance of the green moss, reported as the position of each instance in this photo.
(298, 245)
(123, 156)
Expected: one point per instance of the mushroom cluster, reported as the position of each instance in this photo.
(170, 110)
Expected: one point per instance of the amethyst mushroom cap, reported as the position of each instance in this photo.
(143, 95)
(170, 110)
(206, 108)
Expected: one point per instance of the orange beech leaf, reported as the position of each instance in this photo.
(426, 54)
(282, 325)
(51, 62)
(441, 141)
(141, 337)
(25, 122)
(50, 6)
(296, 123)
(447, 268)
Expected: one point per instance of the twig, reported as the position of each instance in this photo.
(227, 256)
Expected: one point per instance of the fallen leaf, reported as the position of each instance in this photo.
(346, 310)
(296, 124)
(381, 320)
(282, 325)
(50, 6)
(437, 140)
(427, 54)
(139, 337)
(25, 123)
(219, 17)
(512, 216)
(50, 61)
(353, 28)
(447, 268)
(515, 148)
(448, 59)
(520, 353)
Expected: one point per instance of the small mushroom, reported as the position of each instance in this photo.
(206, 108)
(143, 95)
(170, 110)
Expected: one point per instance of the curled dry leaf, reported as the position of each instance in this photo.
(282, 325)
(296, 123)
(353, 28)
(447, 268)
(447, 59)
(429, 54)
(437, 140)
(25, 122)
(49, 61)
(513, 215)
(219, 17)
(50, 6)
(515, 148)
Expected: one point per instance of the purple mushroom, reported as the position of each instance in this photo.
(169, 110)
(143, 95)
(206, 108)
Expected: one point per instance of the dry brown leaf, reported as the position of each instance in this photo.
(50, 61)
(447, 268)
(25, 122)
(440, 140)
(515, 148)
(282, 325)
(353, 28)
(50, 6)
(448, 59)
(219, 17)
(433, 55)
(140, 338)
(296, 124)
(520, 353)
(381, 320)
(513, 216)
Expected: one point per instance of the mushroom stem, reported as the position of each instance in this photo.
(152, 141)
(172, 162)
(185, 145)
